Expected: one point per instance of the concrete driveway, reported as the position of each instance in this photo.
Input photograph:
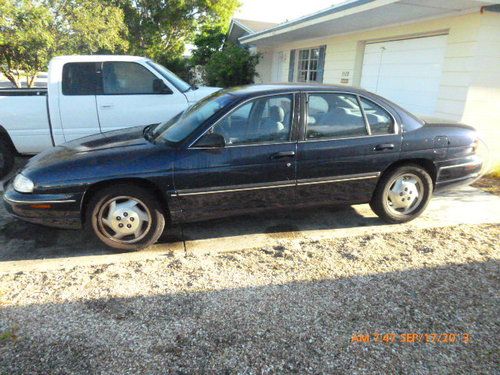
(25, 246)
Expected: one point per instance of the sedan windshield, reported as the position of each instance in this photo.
(181, 126)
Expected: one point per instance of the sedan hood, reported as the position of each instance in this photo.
(100, 156)
(118, 138)
(102, 141)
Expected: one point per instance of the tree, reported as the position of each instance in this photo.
(207, 42)
(232, 66)
(160, 29)
(33, 31)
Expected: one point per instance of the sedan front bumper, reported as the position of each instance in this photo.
(53, 210)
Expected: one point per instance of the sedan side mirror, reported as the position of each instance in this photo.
(211, 140)
(159, 87)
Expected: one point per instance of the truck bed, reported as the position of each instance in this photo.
(23, 115)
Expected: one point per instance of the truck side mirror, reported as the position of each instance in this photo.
(159, 87)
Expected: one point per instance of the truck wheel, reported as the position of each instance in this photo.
(126, 217)
(402, 194)
(6, 158)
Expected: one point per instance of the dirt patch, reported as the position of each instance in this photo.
(292, 307)
(489, 184)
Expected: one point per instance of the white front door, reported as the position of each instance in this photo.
(129, 98)
(77, 102)
(278, 67)
(407, 71)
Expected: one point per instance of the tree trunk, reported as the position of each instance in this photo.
(14, 80)
(30, 80)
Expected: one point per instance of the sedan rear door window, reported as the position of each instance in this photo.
(334, 115)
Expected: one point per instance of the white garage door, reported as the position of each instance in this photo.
(408, 71)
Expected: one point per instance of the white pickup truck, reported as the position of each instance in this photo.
(87, 95)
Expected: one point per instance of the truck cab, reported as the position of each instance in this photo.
(86, 95)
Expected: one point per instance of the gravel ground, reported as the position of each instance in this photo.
(292, 308)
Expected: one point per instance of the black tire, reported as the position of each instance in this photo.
(382, 208)
(6, 158)
(152, 231)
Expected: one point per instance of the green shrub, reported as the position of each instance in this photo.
(232, 66)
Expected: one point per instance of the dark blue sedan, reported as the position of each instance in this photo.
(246, 150)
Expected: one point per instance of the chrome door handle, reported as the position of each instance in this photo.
(284, 154)
(384, 146)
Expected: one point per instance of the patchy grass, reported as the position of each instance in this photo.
(10, 334)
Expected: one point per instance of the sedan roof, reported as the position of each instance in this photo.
(255, 90)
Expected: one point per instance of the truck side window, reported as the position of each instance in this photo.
(127, 78)
(80, 79)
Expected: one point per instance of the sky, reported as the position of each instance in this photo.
(281, 10)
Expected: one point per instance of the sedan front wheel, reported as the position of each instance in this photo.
(126, 217)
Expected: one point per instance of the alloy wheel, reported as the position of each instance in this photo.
(404, 194)
(124, 219)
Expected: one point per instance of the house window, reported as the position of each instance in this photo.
(308, 65)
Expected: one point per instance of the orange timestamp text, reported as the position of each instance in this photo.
(412, 338)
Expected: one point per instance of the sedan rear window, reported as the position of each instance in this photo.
(379, 119)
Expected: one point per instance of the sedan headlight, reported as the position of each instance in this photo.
(23, 184)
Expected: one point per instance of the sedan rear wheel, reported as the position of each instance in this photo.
(402, 194)
(126, 217)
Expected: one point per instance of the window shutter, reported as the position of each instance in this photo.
(321, 64)
(292, 66)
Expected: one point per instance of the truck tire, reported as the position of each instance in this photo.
(6, 158)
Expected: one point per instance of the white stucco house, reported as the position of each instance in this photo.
(241, 27)
(437, 58)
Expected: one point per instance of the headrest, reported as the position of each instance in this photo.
(276, 113)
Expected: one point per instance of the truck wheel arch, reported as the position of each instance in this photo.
(6, 137)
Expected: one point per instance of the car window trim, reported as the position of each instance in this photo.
(290, 136)
(367, 123)
(358, 96)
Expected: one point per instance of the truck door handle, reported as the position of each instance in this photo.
(284, 154)
(384, 146)
(106, 106)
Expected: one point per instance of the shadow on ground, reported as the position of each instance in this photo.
(279, 222)
(21, 240)
(299, 327)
